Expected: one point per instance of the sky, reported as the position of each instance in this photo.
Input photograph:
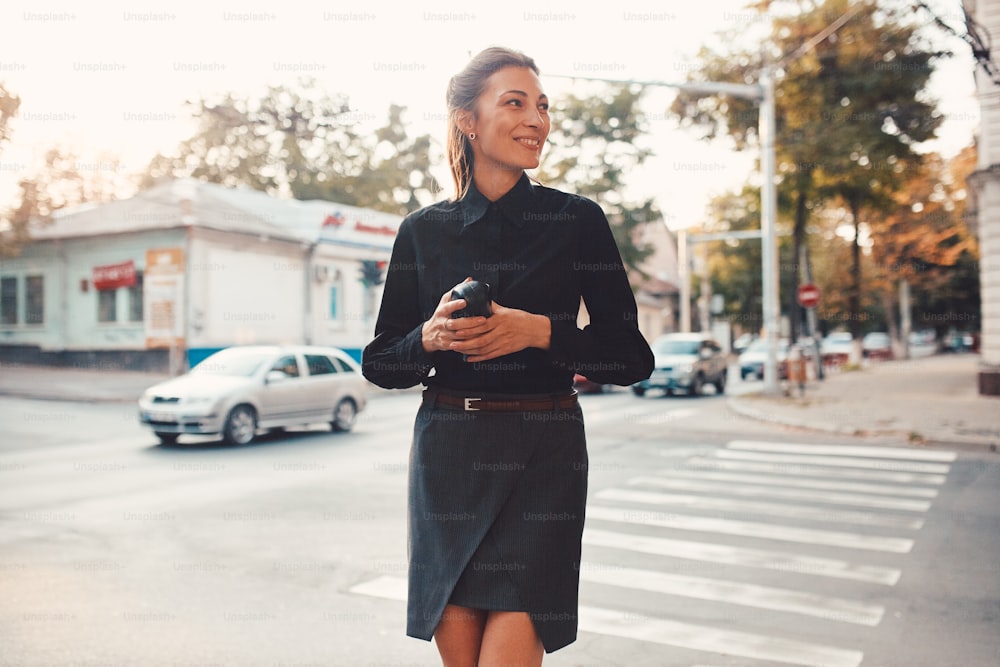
(110, 78)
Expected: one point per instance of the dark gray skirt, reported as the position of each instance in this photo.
(496, 511)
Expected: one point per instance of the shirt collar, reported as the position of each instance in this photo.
(512, 205)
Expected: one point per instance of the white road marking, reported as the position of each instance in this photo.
(846, 450)
(804, 470)
(756, 507)
(632, 625)
(764, 559)
(386, 587)
(730, 592)
(844, 462)
(811, 496)
(704, 638)
(786, 481)
(752, 529)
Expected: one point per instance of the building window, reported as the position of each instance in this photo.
(34, 300)
(8, 300)
(107, 305)
(135, 299)
(334, 302)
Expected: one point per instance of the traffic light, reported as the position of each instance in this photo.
(372, 272)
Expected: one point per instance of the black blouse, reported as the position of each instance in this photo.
(540, 250)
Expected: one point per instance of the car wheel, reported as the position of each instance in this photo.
(241, 426)
(344, 416)
(696, 385)
(720, 384)
(638, 391)
(167, 438)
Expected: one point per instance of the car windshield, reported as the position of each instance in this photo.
(232, 361)
(674, 346)
(760, 345)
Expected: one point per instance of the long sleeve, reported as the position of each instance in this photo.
(611, 348)
(396, 358)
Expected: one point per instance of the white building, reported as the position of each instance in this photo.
(164, 278)
(986, 202)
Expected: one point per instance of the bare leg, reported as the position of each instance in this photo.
(509, 640)
(459, 635)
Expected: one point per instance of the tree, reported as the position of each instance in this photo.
(61, 180)
(925, 243)
(301, 143)
(593, 148)
(734, 266)
(13, 230)
(870, 73)
(846, 110)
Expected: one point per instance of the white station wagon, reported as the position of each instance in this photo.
(240, 390)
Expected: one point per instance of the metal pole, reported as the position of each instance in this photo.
(684, 271)
(705, 297)
(769, 245)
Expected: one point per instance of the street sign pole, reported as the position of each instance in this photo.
(769, 244)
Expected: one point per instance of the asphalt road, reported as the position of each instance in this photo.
(711, 540)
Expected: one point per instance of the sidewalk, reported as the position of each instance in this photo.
(76, 384)
(929, 401)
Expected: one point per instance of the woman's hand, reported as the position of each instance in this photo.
(508, 330)
(441, 331)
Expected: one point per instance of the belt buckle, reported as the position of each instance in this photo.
(468, 404)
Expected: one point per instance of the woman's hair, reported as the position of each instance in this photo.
(463, 91)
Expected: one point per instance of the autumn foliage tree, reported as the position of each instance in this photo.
(298, 142)
(592, 150)
(13, 228)
(847, 109)
(924, 242)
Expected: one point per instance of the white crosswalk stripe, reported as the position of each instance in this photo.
(742, 557)
(805, 470)
(799, 483)
(907, 454)
(757, 507)
(768, 492)
(754, 529)
(760, 597)
(830, 497)
(703, 638)
(844, 462)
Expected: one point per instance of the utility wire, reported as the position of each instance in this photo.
(976, 36)
(821, 35)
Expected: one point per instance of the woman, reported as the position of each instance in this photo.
(498, 465)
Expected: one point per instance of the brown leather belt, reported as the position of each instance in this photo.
(471, 403)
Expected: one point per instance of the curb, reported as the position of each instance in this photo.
(49, 396)
(972, 443)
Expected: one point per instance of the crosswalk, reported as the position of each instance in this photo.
(755, 552)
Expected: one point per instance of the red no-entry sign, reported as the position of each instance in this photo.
(808, 295)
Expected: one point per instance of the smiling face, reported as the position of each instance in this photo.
(511, 123)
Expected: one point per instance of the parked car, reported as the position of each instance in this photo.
(239, 390)
(877, 345)
(742, 342)
(835, 349)
(752, 360)
(685, 362)
(958, 341)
